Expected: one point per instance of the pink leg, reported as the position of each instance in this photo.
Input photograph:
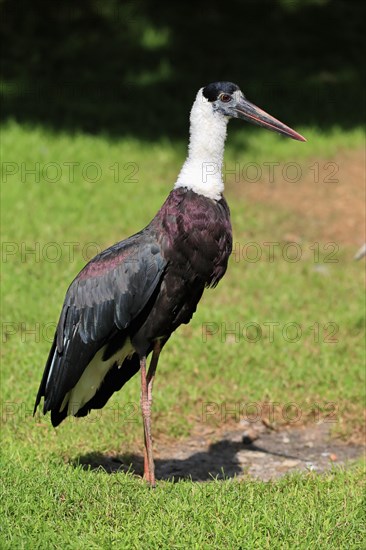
(144, 410)
(146, 402)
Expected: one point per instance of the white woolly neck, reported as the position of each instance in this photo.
(202, 170)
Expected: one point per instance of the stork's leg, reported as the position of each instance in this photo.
(145, 412)
(147, 382)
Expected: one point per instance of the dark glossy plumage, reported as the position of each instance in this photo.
(128, 300)
(142, 288)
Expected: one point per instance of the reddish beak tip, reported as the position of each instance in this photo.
(301, 138)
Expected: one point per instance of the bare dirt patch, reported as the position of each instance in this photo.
(328, 199)
(249, 450)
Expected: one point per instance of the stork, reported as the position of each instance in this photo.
(128, 300)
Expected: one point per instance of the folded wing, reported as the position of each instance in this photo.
(101, 302)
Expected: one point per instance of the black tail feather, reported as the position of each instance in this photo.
(113, 381)
(42, 387)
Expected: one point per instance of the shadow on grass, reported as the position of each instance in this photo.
(127, 68)
(220, 462)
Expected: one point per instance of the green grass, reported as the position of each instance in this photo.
(47, 502)
(51, 505)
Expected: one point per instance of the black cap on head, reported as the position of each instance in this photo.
(213, 90)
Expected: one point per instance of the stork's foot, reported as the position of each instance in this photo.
(151, 482)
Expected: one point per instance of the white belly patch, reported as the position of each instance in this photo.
(92, 377)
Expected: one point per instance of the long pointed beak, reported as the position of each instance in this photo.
(250, 112)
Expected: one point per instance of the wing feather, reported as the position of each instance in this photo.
(106, 296)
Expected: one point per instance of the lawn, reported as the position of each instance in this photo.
(283, 327)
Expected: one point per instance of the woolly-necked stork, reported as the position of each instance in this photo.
(127, 301)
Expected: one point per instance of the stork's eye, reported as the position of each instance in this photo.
(225, 97)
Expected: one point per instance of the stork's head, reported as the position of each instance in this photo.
(229, 101)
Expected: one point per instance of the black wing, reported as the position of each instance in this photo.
(104, 298)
